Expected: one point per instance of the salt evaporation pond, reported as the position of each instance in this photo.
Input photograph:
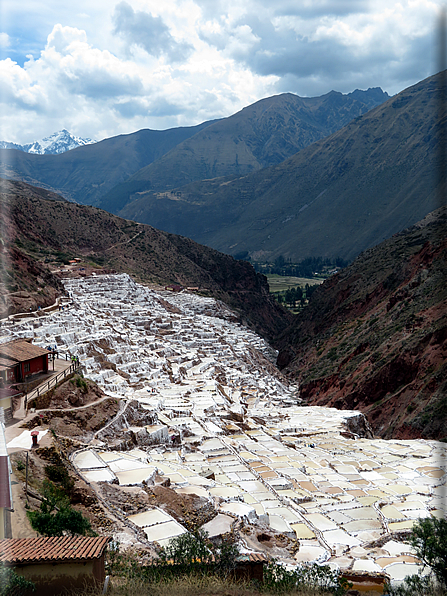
(246, 445)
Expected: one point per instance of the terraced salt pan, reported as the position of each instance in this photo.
(192, 490)
(221, 524)
(292, 465)
(134, 477)
(87, 460)
(149, 518)
(240, 510)
(399, 571)
(101, 475)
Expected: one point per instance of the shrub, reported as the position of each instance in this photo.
(59, 474)
(415, 585)
(80, 382)
(12, 584)
(187, 549)
(193, 552)
(320, 578)
(56, 517)
(429, 539)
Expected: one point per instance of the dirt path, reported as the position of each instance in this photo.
(20, 526)
(14, 430)
(126, 241)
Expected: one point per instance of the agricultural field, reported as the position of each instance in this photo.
(280, 283)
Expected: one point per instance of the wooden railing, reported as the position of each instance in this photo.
(44, 388)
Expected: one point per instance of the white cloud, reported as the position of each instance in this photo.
(101, 68)
(4, 40)
(139, 28)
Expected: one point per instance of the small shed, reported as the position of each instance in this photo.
(250, 567)
(21, 359)
(57, 564)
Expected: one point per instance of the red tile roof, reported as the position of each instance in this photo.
(8, 392)
(21, 350)
(55, 548)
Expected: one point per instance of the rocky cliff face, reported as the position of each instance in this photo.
(25, 282)
(374, 336)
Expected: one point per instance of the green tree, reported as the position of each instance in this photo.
(429, 539)
(279, 261)
(56, 516)
(194, 552)
(188, 548)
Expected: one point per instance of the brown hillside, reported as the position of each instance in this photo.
(374, 337)
(36, 229)
(335, 198)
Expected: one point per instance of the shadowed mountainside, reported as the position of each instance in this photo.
(262, 134)
(36, 226)
(335, 198)
(374, 337)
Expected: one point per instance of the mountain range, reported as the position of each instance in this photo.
(58, 142)
(297, 177)
(334, 198)
(84, 174)
(263, 134)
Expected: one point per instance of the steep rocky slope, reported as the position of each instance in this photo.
(36, 228)
(374, 336)
(25, 282)
(335, 198)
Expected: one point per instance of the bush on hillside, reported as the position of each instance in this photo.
(56, 516)
(319, 578)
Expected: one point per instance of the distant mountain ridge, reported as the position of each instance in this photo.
(265, 133)
(84, 174)
(56, 143)
(334, 198)
(260, 135)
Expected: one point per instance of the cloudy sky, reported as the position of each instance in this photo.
(104, 67)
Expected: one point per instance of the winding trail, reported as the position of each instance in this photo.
(126, 241)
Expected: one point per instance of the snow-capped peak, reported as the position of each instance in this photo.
(58, 142)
